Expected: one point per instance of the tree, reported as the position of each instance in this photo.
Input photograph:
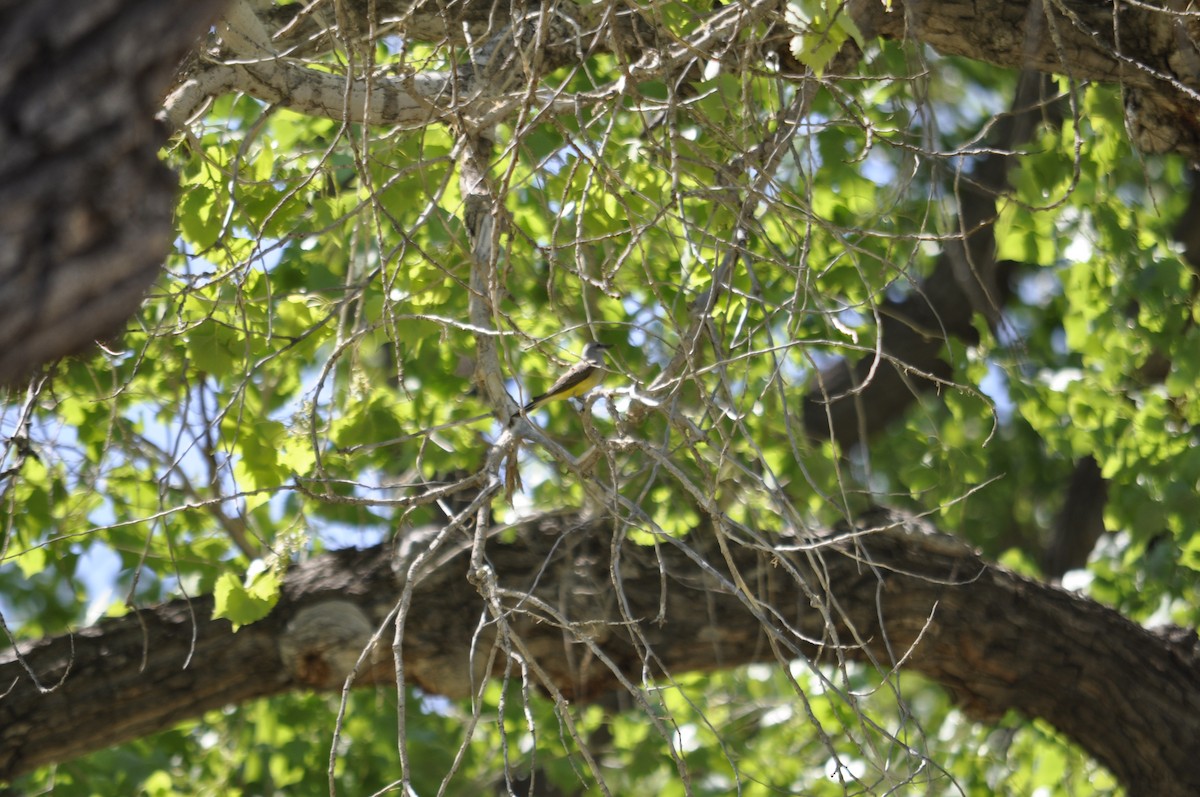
(904, 336)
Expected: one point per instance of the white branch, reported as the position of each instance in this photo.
(409, 101)
(412, 100)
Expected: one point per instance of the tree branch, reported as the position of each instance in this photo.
(1152, 52)
(997, 641)
(85, 205)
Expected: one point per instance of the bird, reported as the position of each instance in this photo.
(579, 379)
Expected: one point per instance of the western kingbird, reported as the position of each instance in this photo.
(582, 377)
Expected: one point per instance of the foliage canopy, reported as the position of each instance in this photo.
(306, 370)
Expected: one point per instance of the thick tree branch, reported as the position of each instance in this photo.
(896, 590)
(85, 205)
(1152, 53)
(260, 65)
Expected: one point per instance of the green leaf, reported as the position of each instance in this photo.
(243, 604)
(32, 561)
(1190, 556)
(209, 350)
(823, 27)
(200, 217)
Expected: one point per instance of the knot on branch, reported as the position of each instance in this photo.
(323, 642)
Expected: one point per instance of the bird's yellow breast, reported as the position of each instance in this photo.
(584, 385)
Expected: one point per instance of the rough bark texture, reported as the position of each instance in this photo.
(187, 659)
(85, 205)
(995, 640)
(173, 661)
(1151, 53)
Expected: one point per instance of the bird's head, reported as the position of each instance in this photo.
(595, 352)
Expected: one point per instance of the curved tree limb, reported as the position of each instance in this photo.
(996, 640)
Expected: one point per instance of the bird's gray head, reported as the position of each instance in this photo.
(594, 352)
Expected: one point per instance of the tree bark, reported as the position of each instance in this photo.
(1151, 53)
(895, 591)
(85, 206)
